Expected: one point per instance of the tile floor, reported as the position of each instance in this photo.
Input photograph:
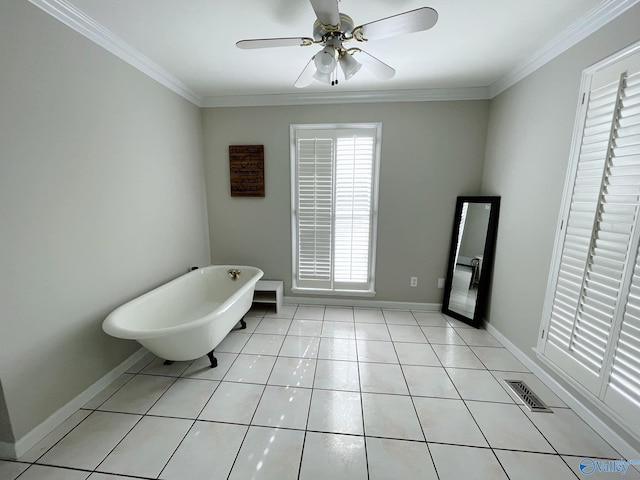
(320, 392)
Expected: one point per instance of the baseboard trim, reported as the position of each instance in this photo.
(365, 303)
(604, 430)
(15, 450)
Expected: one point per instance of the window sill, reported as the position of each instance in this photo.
(327, 292)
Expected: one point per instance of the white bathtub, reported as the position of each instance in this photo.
(188, 317)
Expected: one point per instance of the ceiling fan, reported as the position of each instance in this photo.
(333, 29)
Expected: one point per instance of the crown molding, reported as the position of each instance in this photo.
(579, 30)
(319, 98)
(74, 18)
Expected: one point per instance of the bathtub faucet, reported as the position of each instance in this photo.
(234, 273)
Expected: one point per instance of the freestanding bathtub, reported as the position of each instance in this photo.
(188, 317)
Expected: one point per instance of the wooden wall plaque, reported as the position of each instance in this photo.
(246, 163)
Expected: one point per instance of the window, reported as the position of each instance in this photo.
(590, 331)
(334, 207)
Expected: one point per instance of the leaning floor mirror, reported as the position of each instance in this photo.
(473, 243)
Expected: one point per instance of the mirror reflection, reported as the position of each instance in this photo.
(469, 256)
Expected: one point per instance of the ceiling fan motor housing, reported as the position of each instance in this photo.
(321, 31)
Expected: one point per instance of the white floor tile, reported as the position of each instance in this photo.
(456, 323)
(337, 349)
(285, 407)
(139, 394)
(457, 356)
(499, 359)
(443, 335)
(41, 472)
(399, 460)
(399, 317)
(338, 329)
(368, 315)
(107, 476)
(208, 451)
(309, 312)
(234, 342)
(304, 347)
(286, 311)
(233, 402)
(376, 351)
(328, 455)
(534, 466)
(147, 448)
(11, 470)
(293, 372)
(506, 427)
(430, 319)
(263, 344)
(251, 322)
(382, 378)
(306, 328)
(390, 416)
(250, 369)
(112, 388)
(372, 331)
(407, 333)
(429, 382)
(570, 435)
(143, 362)
(337, 375)
(274, 326)
(335, 412)
(478, 385)
(157, 367)
(50, 440)
(91, 441)
(201, 368)
(448, 421)
(456, 463)
(269, 454)
(185, 398)
(416, 354)
(478, 337)
(338, 314)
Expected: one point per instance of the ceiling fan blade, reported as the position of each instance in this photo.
(274, 42)
(326, 11)
(378, 68)
(407, 22)
(306, 77)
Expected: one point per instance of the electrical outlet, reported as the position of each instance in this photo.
(441, 283)
(414, 281)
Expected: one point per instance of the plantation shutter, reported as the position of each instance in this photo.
(315, 157)
(333, 210)
(594, 313)
(623, 388)
(354, 188)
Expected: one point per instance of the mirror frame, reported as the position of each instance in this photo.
(487, 263)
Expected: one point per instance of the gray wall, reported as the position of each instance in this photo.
(431, 152)
(528, 143)
(102, 197)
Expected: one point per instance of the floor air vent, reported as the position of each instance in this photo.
(529, 398)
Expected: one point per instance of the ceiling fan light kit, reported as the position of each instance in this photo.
(333, 29)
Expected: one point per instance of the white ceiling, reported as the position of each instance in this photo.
(474, 43)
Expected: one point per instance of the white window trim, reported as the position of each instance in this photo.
(377, 126)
